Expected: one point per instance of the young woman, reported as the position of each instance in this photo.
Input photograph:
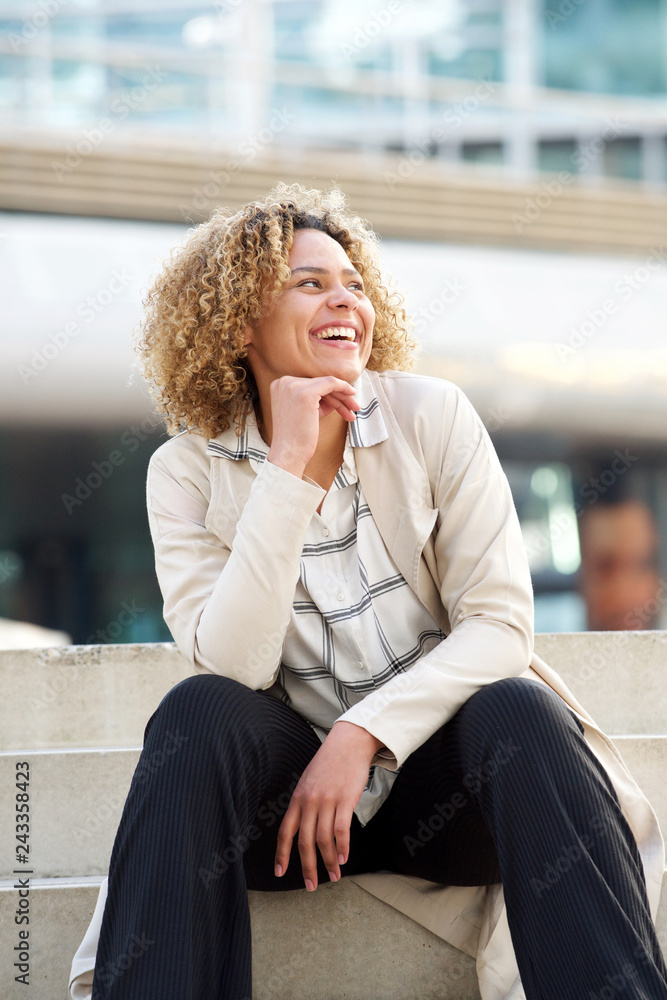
(341, 562)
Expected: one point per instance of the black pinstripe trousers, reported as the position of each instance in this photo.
(506, 791)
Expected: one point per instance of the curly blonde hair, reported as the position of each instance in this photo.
(191, 340)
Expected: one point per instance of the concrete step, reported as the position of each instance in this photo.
(77, 797)
(84, 696)
(619, 677)
(102, 696)
(81, 712)
(76, 800)
(646, 759)
(305, 945)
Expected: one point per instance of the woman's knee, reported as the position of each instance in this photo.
(515, 712)
(518, 699)
(196, 703)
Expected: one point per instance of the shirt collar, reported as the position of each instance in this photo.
(368, 429)
(249, 445)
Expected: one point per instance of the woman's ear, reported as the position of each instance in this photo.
(248, 334)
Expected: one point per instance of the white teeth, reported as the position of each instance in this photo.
(336, 331)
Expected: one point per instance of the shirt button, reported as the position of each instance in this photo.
(325, 532)
(360, 665)
(341, 597)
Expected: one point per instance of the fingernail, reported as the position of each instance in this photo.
(333, 877)
(309, 885)
(341, 859)
(278, 870)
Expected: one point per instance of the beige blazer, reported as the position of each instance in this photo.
(443, 507)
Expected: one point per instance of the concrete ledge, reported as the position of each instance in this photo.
(84, 696)
(77, 798)
(619, 677)
(76, 801)
(102, 696)
(646, 759)
(91, 704)
(305, 945)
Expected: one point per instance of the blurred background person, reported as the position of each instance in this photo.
(620, 582)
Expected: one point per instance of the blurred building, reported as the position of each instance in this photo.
(511, 154)
(355, 74)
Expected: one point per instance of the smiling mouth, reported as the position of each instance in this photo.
(337, 334)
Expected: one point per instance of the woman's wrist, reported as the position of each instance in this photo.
(287, 461)
(369, 743)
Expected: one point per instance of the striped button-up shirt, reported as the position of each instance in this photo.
(355, 622)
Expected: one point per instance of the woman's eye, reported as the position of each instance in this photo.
(316, 284)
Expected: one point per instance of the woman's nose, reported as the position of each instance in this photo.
(343, 297)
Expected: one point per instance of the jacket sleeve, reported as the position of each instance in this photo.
(228, 607)
(485, 589)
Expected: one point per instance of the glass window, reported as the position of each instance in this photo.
(623, 158)
(610, 46)
(557, 155)
(482, 152)
(472, 64)
(544, 498)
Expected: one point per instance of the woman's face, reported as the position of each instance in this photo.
(321, 322)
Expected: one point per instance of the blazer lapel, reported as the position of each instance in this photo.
(398, 493)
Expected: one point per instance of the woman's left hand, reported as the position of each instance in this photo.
(323, 802)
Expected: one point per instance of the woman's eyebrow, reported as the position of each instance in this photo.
(323, 270)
